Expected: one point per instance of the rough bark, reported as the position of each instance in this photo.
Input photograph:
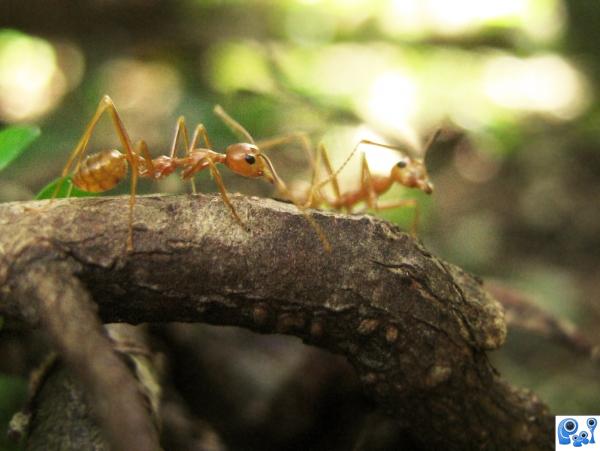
(48, 293)
(63, 417)
(415, 328)
(63, 412)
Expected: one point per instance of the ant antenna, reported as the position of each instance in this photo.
(234, 125)
(343, 165)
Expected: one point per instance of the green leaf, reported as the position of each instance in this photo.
(48, 191)
(14, 140)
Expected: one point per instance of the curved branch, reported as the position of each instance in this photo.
(415, 328)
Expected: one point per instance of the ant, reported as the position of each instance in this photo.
(408, 171)
(103, 170)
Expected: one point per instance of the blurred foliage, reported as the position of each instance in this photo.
(512, 84)
(13, 141)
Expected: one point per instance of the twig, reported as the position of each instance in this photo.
(522, 312)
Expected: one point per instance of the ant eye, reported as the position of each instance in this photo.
(401, 164)
(250, 159)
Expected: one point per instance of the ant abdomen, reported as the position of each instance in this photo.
(101, 171)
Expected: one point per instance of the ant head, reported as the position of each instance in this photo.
(411, 172)
(245, 159)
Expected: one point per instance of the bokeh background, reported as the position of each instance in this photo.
(512, 84)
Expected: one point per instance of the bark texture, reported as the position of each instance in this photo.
(415, 328)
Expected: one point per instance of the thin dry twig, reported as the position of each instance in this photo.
(523, 313)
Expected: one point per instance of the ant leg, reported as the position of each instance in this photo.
(199, 132)
(133, 160)
(333, 175)
(141, 149)
(181, 129)
(322, 151)
(316, 186)
(310, 201)
(219, 181)
(80, 148)
(366, 181)
(233, 125)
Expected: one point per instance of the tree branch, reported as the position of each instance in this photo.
(60, 410)
(415, 328)
(50, 294)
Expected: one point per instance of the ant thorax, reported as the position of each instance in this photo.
(162, 167)
(197, 160)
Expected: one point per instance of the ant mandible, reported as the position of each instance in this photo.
(410, 172)
(103, 170)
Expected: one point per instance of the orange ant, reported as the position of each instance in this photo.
(408, 171)
(103, 170)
